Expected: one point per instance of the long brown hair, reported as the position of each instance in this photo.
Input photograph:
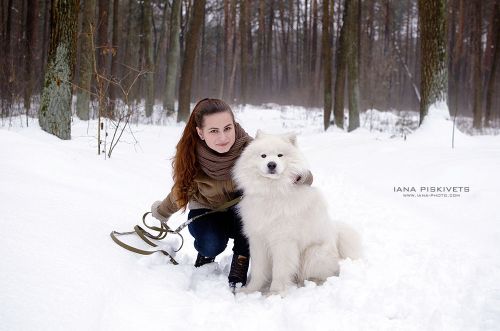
(185, 165)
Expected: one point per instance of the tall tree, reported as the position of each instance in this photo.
(304, 73)
(243, 51)
(32, 64)
(477, 81)
(313, 46)
(102, 37)
(268, 59)
(228, 48)
(132, 45)
(261, 37)
(117, 54)
(172, 58)
(327, 61)
(352, 7)
(147, 23)
(492, 82)
(103, 53)
(434, 76)
(7, 70)
(55, 109)
(340, 66)
(192, 38)
(490, 90)
(235, 41)
(86, 61)
(456, 53)
(284, 18)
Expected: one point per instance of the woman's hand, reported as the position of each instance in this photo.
(305, 178)
(156, 214)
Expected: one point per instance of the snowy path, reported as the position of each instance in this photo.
(430, 263)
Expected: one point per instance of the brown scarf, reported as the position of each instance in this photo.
(219, 165)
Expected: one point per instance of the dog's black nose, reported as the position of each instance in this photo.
(271, 165)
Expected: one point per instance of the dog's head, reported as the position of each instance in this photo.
(269, 156)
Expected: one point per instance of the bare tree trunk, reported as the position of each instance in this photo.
(477, 82)
(457, 59)
(434, 75)
(489, 45)
(116, 54)
(452, 82)
(268, 71)
(327, 61)
(83, 92)
(102, 37)
(304, 73)
(490, 91)
(219, 60)
(298, 80)
(104, 51)
(32, 64)
(243, 52)
(352, 7)
(200, 67)
(45, 40)
(6, 93)
(228, 47)
(261, 39)
(132, 43)
(284, 48)
(313, 54)
(250, 57)
(340, 65)
(172, 58)
(148, 55)
(192, 38)
(55, 109)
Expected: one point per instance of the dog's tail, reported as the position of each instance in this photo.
(349, 242)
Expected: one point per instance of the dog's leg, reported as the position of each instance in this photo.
(285, 260)
(260, 271)
(319, 262)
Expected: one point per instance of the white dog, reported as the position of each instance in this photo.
(291, 236)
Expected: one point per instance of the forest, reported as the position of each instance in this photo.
(382, 116)
(124, 56)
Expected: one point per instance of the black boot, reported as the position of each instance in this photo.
(202, 260)
(239, 269)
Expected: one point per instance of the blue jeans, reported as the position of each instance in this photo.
(212, 232)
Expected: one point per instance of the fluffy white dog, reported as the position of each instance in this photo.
(291, 236)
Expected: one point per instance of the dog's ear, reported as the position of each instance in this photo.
(292, 138)
(259, 134)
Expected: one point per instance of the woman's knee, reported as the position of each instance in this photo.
(209, 232)
(210, 244)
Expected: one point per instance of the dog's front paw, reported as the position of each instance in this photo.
(278, 289)
(246, 290)
(281, 293)
(250, 288)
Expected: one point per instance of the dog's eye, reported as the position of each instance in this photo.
(263, 156)
(280, 155)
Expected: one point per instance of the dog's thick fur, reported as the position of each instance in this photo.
(291, 236)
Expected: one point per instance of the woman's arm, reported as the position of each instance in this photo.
(162, 210)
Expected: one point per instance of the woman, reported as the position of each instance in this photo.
(206, 153)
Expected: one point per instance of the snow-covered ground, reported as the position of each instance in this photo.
(431, 263)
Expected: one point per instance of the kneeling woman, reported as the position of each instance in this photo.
(210, 145)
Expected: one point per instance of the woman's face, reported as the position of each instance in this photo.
(218, 131)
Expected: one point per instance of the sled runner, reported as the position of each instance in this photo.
(163, 230)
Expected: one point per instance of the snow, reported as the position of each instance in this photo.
(431, 263)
